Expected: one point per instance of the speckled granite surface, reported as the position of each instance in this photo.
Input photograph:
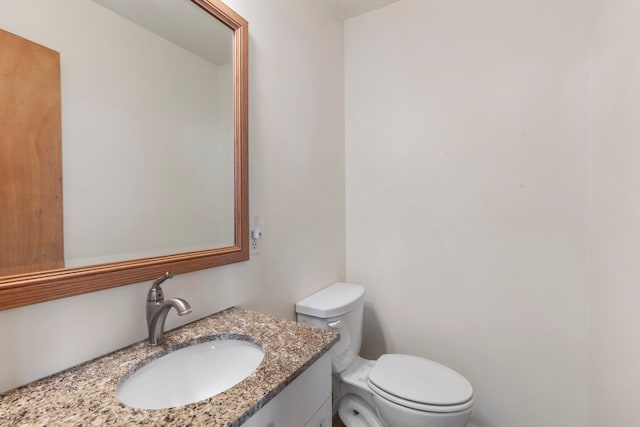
(86, 394)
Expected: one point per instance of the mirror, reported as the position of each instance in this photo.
(154, 140)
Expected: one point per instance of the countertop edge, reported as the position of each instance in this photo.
(88, 390)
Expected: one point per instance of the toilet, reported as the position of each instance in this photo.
(396, 390)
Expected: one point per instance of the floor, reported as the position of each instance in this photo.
(336, 422)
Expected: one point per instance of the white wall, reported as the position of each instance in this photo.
(614, 181)
(466, 169)
(296, 185)
(297, 146)
(466, 128)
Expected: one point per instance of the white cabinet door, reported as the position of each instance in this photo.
(322, 418)
(301, 401)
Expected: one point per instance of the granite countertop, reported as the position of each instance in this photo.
(86, 394)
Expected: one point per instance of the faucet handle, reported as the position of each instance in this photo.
(155, 294)
(161, 279)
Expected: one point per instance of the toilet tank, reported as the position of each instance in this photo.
(343, 302)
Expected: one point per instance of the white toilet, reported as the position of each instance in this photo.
(397, 390)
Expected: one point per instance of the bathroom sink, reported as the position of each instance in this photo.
(190, 374)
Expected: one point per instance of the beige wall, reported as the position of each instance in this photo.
(467, 173)
(466, 129)
(297, 147)
(296, 185)
(614, 179)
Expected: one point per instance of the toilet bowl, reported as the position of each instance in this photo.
(396, 390)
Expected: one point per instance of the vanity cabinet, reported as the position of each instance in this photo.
(305, 402)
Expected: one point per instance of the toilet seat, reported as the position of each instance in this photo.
(420, 384)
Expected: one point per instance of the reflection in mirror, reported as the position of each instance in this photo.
(153, 108)
(147, 125)
(30, 157)
(162, 140)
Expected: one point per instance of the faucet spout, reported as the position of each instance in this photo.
(158, 316)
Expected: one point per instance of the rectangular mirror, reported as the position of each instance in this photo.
(154, 141)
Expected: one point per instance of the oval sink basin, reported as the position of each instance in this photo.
(190, 374)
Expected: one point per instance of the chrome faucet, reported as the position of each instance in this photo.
(158, 308)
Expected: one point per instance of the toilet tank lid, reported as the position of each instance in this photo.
(337, 299)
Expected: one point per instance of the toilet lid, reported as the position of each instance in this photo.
(409, 379)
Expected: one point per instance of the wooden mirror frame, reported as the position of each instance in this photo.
(25, 289)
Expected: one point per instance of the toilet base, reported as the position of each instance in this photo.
(355, 412)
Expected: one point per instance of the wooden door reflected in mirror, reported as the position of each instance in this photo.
(30, 158)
